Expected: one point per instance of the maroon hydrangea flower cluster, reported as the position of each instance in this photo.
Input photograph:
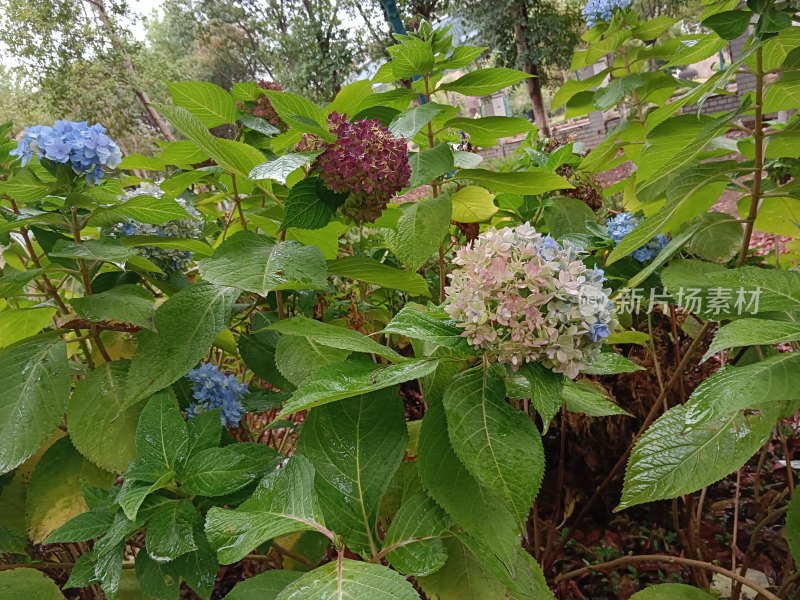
(264, 108)
(366, 162)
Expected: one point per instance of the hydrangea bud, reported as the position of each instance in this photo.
(87, 149)
(366, 162)
(264, 108)
(622, 224)
(602, 10)
(213, 389)
(168, 259)
(522, 297)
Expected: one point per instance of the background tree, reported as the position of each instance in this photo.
(535, 36)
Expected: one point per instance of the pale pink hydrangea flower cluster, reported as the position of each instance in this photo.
(523, 297)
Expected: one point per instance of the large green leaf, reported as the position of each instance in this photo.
(545, 390)
(717, 293)
(477, 509)
(770, 381)
(530, 182)
(498, 444)
(430, 163)
(34, 389)
(310, 205)
(106, 250)
(128, 303)
(280, 168)
(473, 204)
(672, 145)
(421, 230)
(420, 323)
(352, 378)
(371, 271)
(28, 583)
(255, 263)
(187, 324)
(407, 124)
(729, 24)
(13, 282)
(54, 491)
(413, 543)
(142, 208)
(170, 530)
(211, 104)
(567, 216)
(753, 332)
(484, 81)
(264, 586)
(355, 446)
(672, 459)
(298, 358)
(350, 580)
(220, 471)
(284, 502)
(718, 237)
(333, 336)
(162, 439)
(485, 131)
(101, 429)
(413, 57)
(232, 156)
(20, 323)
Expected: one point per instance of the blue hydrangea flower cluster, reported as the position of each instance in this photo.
(213, 389)
(602, 10)
(622, 224)
(86, 148)
(169, 260)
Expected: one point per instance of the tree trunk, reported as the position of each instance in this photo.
(133, 77)
(535, 93)
(520, 9)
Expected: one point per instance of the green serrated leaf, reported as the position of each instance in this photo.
(421, 230)
(170, 530)
(127, 303)
(352, 378)
(280, 168)
(355, 446)
(350, 579)
(220, 471)
(498, 444)
(54, 491)
(34, 389)
(211, 104)
(187, 324)
(333, 336)
(257, 264)
(413, 543)
(484, 81)
(284, 502)
(371, 271)
(530, 182)
(100, 428)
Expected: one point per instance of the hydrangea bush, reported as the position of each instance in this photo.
(409, 382)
